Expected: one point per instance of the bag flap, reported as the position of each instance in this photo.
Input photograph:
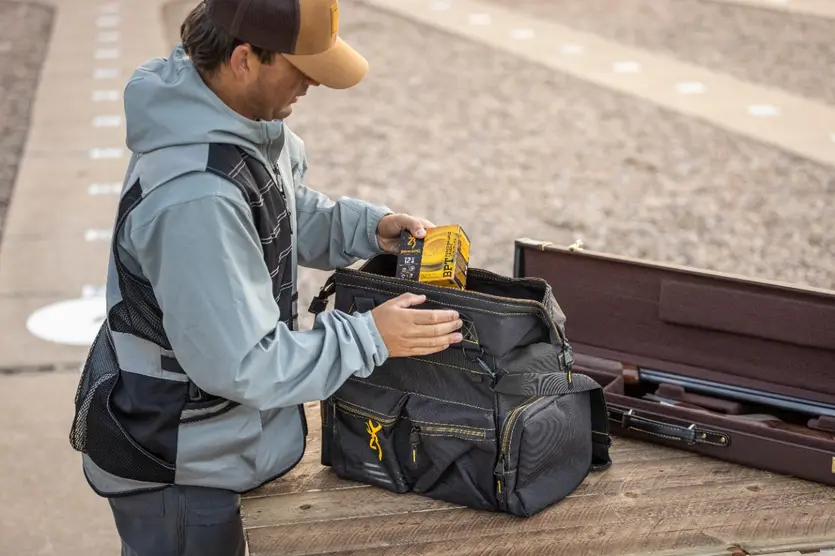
(703, 324)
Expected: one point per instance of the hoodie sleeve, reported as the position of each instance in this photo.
(204, 261)
(333, 234)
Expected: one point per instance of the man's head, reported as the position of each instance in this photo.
(260, 56)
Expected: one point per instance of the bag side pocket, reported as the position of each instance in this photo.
(364, 447)
(546, 452)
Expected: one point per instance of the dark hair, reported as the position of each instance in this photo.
(208, 46)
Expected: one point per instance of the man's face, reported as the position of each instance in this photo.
(270, 89)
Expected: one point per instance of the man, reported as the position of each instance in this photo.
(193, 388)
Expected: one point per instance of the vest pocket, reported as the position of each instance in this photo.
(364, 447)
(95, 429)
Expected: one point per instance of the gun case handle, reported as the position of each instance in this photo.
(691, 435)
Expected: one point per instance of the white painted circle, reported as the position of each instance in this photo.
(763, 110)
(73, 322)
(627, 67)
(480, 19)
(690, 87)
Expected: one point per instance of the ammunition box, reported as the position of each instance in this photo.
(440, 258)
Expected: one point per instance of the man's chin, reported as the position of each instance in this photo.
(284, 113)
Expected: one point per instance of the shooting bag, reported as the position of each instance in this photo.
(497, 422)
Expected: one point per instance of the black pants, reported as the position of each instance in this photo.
(180, 521)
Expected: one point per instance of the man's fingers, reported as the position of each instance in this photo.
(407, 300)
(433, 316)
(430, 330)
(431, 345)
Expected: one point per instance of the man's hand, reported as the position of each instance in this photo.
(409, 332)
(391, 225)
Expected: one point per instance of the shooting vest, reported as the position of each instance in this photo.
(128, 423)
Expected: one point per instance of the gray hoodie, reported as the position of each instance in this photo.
(193, 237)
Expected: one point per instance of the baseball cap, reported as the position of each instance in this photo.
(303, 31)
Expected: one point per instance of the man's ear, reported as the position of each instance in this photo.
(242, 61)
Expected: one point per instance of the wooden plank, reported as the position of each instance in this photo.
(712, 533)
(576, 509)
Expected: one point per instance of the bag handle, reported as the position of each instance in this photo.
(690, 435)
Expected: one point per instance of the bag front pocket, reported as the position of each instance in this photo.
(364, 446)
(545, 452)
(451, 452)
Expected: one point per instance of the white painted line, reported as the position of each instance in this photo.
(105, 73)
(108, 36)
(572, 48)
(107, 21)
(106, 153)
(73, 322)
(105, 95)
(109, 8)
(522, 34)
(439, 6)
(95, 189)
(627, 66)
(107, 121)
(480, 19)
(97, 235)
(763, 110)
(832, 137)
(106, 54)
(691, 87)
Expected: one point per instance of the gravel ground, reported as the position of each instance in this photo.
(24, 36)
(451, 130)
(775, 48)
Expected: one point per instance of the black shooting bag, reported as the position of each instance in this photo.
(497, 422)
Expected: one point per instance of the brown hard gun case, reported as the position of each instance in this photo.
(735, 368)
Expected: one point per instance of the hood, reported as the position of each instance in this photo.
(167, 104)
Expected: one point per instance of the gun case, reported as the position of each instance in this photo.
(735, 368)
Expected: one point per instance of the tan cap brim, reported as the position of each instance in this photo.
(339, 67)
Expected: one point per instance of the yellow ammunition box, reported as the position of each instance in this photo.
(440, 258)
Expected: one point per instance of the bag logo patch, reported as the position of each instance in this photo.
(373, 441)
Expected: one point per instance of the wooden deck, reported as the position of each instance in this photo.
(653, 501)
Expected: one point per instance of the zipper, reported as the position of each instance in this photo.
(279, 182)
(360, 413)
(508, 425)
(417, 430)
